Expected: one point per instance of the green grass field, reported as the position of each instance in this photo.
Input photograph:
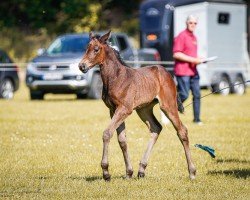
(52, 150)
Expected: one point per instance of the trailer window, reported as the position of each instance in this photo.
(223, 18)
(152, 19)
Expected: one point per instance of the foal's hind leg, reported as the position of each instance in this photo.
(168, 105)
(121, 135)
(147, 116)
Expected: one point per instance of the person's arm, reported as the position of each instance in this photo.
(185, 58)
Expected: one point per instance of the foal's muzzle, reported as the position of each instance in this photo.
(83, 68)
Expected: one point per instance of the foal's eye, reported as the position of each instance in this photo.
(96, 49)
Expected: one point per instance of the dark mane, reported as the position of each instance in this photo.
(118, 56)
(117, 53)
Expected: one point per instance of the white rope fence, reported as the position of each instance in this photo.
(126, 61)
(212, 65)
(68, 63)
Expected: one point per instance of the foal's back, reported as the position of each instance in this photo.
(147, 83)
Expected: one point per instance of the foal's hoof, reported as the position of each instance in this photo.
(141, 175)
(106, 177)
(192, 177)
(129, 174)
(192, 174)
(127, 177)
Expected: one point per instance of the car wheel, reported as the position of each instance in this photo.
(36, 95)
(239, 86)
(7, 89)
(95, 91)
(81, 96)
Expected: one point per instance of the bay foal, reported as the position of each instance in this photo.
(126, 89)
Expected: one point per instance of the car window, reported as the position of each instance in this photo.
(122, 43)
(4, 58)
(112, 41)
(68, 45)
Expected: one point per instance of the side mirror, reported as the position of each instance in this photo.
(40, 51)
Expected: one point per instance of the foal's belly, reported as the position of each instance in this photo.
(145, 94)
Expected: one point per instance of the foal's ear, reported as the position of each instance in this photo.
(91, 35)
(105, 37)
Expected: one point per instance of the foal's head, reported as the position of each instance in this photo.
(95, 53)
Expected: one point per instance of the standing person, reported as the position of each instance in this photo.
(185, 69)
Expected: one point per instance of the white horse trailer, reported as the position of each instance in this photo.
(221, 31)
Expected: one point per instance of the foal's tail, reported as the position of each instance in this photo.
(179, 104)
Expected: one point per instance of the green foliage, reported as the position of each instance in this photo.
(28, 25)
(22, 46)
(128, 5)
(130, 26)
(89, 22)
(60, 16)
(54, 15)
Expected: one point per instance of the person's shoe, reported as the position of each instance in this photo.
(199, 123)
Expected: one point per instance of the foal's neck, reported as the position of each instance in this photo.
(111, 68)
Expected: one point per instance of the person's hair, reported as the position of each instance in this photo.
(191, 17)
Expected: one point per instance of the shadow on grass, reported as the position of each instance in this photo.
(233, 161)
(43, 177)
(57, 100)
(13, 194)
(66, 100)
(7, 194)
(85, 178)
(92, 178)
(236, 173)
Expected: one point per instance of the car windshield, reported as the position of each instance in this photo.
(68, 44)
(4, 58)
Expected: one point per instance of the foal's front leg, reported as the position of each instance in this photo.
(119, 116)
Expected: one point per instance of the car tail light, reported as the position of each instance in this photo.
(16, 68)
(157, 56)
(151, 37)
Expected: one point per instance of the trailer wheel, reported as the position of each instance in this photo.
(239, 85)
(222, 87)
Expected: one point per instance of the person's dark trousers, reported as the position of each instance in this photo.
(185, 83)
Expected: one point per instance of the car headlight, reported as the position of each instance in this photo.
(30, 67)
(73, 65)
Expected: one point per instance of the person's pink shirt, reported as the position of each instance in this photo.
(186, 43)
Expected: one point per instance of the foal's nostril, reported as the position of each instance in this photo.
(81, 66)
